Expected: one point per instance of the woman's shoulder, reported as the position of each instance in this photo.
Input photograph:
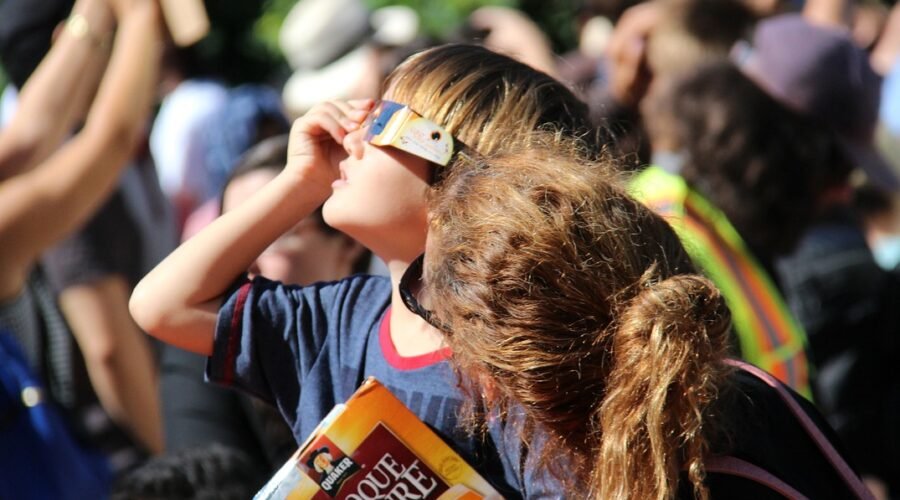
(760, 425)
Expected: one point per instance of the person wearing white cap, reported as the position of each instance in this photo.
(331, 45)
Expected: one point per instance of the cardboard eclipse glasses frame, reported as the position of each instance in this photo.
(396, 125)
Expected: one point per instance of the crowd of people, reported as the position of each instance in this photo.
(661, 265)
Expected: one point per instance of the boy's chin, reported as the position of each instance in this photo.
(334, 213)
(339, 217)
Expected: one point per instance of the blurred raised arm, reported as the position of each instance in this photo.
(59, 91)
(44, 203)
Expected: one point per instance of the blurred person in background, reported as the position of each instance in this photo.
(702, 138)
(881, 209)
(249, 114)
(92, 271)
(341, 49)
(51, 183)
(688, 34)
(746, 189)
(651, 44)
(190, 93)
(200, 473)
(200, 414)
(769, 152)
(845, 302)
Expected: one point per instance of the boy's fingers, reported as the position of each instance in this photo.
(334, 128)
(363, 104)
(341, 107)
(346, 108)
(319, 121)
(342, 113)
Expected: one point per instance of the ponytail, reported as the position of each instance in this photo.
(667, 364)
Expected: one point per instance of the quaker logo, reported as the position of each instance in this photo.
(327, 465)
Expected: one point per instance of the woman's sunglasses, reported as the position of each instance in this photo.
(412, 274)
(396, 125)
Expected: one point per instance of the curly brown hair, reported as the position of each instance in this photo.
(565, 298)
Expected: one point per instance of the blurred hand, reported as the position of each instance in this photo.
(887, 49)
(121, 7)
(836, 13)
(512, 33)
(627, 52)
(98, 13)
(316, 143)
(765, 8)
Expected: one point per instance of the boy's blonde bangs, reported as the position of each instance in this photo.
(485, 99)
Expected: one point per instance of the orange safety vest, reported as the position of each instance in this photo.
(767, 332)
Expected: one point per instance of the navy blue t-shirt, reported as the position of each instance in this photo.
(306, 349)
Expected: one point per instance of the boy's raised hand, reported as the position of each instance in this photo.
(316, 143)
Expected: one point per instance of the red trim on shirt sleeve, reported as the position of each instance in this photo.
(405, 362)
(234, 334)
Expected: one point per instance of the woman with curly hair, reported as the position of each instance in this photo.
(574, 311)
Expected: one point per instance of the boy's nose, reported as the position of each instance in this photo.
(353, 143)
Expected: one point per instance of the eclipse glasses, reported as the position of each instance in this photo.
(396, 125)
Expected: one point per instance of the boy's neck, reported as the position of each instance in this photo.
(411, 335)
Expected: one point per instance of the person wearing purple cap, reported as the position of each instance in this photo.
(844, 301)
(820, 72)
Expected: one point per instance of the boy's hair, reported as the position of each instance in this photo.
(487, 100)
(204, 473)
(566, 298)
(271, 154)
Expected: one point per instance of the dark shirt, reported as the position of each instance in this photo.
(850, 309)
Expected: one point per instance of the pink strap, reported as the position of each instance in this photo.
(736, 467)
(814, 432)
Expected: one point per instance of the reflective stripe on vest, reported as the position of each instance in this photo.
(768, 334)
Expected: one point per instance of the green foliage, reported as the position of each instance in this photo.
(233, 50)
(269, 23)
(557, 18)
(441, 17)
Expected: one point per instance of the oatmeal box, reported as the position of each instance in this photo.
(372, 447)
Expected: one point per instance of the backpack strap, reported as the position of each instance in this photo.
(850, 478)
(736, 467)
